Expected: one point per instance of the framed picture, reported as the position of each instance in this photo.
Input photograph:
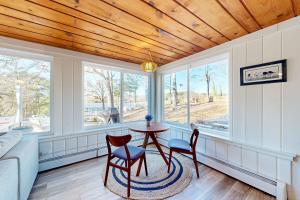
(271, 72)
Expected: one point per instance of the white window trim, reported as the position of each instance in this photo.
(41, 57)
(188, 67)
(122, 71)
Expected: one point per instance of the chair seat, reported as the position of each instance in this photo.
(135, 152)
(179, 144)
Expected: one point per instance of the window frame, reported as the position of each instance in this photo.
(122, 71)
(46, 58)
(189, 66)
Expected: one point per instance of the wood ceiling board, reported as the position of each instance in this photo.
(103, 42)
(120, 18)
(240, 13)
(47, 13)
(35, 28)
(147, 13)
(269, 12)
(135, 39)
(213, 14)
(180, 14)
(296, 6)
(170, 29)
(47, 40)
(33, 37)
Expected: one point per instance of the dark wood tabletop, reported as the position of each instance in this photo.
(155, 127)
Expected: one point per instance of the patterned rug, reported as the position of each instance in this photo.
(158, 184)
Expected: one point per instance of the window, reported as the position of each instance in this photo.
(103, 92)
(135, 105)
(207, 104)
(101, 96)
(24, 94)
(175, 97)
(209, 98)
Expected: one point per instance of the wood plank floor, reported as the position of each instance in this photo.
(83, 181)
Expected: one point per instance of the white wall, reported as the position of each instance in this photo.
(263, 116)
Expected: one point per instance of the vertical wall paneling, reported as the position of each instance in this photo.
(221, 150)
(239, 94)
(92, 141)
(56, 105)
(271, 95)
(59, 148)
(67, 91)
(82, 143)
(78, 95)
(254, 96)
(290, 91)
(159, 97)
(201, 145)
(249, 160)
(284, 170)
(267, 165)
(71, 145)
(45, 149)
(210, 147)
(235, 154)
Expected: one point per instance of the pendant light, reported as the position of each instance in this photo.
(149, 66)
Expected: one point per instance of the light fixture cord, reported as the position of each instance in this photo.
(150, 55)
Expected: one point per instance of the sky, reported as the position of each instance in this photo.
(219, 74)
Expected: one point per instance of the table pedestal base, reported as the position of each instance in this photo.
(145, 143)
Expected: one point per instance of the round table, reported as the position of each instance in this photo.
(150, 131)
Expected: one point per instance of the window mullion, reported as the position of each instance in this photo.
(188, 95)
(121, 96)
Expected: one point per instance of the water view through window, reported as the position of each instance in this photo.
(24, 94)
(102, 96)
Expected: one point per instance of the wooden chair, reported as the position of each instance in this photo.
(130, 154)
(182, 146)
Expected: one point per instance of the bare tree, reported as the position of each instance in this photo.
(98, 91)
(174, 91)
(108, 81)
(208, 75)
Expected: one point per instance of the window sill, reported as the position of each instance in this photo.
(210, 133)
(91, 130)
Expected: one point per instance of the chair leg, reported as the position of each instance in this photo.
(107, 170)
(196, 164)
(145, 163)
(170, 158)
(125, 163)
(139, 166)
(128, 183)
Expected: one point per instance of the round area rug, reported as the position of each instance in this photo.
(159, 184)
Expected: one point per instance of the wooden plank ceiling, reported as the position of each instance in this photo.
(127, 29)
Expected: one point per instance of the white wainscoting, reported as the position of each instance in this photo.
(257, 166)
(63, 150)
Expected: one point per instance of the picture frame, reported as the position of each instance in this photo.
(271, 72)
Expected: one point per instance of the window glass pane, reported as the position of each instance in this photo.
(24, 94)
(175, 97)
(209, 95)
(101, 96)
(135, 105)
